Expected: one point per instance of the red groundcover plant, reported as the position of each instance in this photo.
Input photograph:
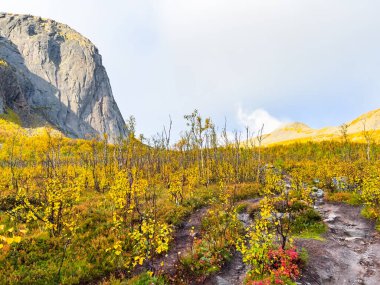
(282, 266)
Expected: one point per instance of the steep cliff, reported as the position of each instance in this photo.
(49, 73)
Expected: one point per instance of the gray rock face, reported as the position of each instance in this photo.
(13, 87)
(55, 74)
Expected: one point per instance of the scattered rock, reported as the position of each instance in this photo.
(350, 252)
(221, 281)
(245, 219)
(356, 232)
(351, 238)
(320, 193)
(330, 218)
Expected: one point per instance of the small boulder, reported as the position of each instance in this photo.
(320, 193)
(221, 281)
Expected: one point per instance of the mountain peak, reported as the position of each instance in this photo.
(371, 120)
(295, 126)
(297, 131)
(56, 75)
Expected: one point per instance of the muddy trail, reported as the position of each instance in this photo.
(182, 242)
(232, 272)
(350, 253)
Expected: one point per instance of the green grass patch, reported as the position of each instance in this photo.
(314, 232)
(11, 116)
(309, 225)
(144, 279)
(304, 257)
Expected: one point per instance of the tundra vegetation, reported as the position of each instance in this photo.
(76, 211)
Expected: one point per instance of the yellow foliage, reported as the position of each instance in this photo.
(3, 62)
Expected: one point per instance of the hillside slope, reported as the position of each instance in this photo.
(299, 132)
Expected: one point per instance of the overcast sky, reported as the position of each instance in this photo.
(250, 61)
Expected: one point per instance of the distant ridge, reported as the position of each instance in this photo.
(300, 132)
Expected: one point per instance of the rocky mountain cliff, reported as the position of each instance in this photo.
(51, 74)
(296, 132)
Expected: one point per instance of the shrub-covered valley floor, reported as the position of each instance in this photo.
(205, 210)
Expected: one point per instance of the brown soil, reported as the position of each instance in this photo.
(234, 271)
(349, 254)
(182, 242)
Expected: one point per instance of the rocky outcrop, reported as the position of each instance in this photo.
(14, 87)
(51, 73)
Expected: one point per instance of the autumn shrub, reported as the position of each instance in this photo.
(369, 213)
(267, 247)
(220, 230)
(94, 209)
(177, 215)
(255, 245)
(244, 191)
(282, 267)
(253, 209)
(370, 191)
(203, 259)
(3, 62)
(242, 207)
(283, 263)
(351, 198)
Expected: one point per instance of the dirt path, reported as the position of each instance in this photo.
(350, 253)
(182, 242)
(234, 271)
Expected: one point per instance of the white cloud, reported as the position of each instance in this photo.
(259, 117)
